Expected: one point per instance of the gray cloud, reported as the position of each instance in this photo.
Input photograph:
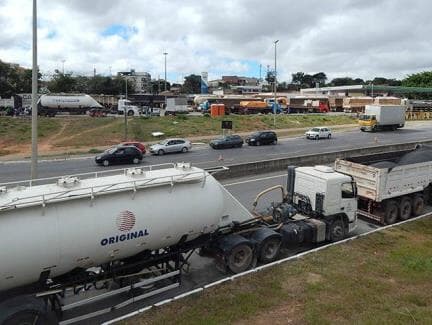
(364, 38)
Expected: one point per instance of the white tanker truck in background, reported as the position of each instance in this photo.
(74, 104)
(133, 231)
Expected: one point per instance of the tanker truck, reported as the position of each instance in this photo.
(132, 231)
(74, 104)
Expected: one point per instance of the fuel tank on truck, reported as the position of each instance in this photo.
(88, 220)
(68, 101)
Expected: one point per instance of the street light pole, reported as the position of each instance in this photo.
(165, 81)
(275, 85)
(34, 155)
(125, 112)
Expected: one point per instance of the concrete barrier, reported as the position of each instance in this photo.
(272, 165)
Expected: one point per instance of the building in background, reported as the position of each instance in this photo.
(141, 80)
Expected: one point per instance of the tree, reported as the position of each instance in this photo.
(14, 80)
(421, 79)
(61, 83)
(192, 84)
(344, 81)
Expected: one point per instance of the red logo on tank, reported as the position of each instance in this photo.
(125, 221)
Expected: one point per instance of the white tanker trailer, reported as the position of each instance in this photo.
(51, 104)
(66, 235)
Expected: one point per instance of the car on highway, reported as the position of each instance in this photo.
(171, 145)
(120, 155)
(228, 141)
(137, 144)
(317, 133)
(262, 137)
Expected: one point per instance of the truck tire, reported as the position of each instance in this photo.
(417, 205)
(240, 258)
(25, 310)
(390, 212)
(130, 113)
(269, 249)
(337, 230)
(405, 208)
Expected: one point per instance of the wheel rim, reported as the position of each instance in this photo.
(405, 210)
(160, 152)
(337, 232)
(136, 161)
(418, 206)
(106, 163)
(391, 215)
(270, 250)
(240, 258)
(184, 149)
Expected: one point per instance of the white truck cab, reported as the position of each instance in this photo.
(131, 110)
(323, 192)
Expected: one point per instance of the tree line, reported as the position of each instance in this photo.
(15, 80)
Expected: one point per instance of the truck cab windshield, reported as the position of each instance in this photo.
(367, 117)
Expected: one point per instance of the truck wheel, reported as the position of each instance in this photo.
(391, 212)
(269, 250)
(337, 230)
(417, 205)
(130, 113)
(240, 258)
(405, 208)
(105, 163)
(25, 310)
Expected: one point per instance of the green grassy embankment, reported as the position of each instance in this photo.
(385, 278)
(81, 134)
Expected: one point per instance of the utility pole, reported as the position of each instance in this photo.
(63, 61)
(35, 70)
(165, 81)
(125, 113)
(275, 85)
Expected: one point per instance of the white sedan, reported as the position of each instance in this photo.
(318, 133)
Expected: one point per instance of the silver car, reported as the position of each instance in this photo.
(171, 145)
(318, 133)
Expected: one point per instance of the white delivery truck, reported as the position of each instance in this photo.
(132, 230)
(382, 117)
(391, 186)
(177, 105)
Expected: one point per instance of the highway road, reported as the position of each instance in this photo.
(204, 156)
(202, 270)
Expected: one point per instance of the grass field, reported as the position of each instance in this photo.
(385, 278)
(74, 133)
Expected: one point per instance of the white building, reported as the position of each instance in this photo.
(141, 80)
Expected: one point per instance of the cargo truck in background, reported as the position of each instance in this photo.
(131, 110)
(73, 104)
(391, 186)
(382, 117)
(133, 231)
(177, 105)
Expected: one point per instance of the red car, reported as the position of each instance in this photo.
(139, 145)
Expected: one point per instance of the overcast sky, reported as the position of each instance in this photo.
(356, 38)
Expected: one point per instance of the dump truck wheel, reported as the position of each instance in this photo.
(405, 208)
(418, 205)
(269, 250)
(337, 230)
(391, 212)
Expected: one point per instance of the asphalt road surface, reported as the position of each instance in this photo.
(203, 270)
(204, 156)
